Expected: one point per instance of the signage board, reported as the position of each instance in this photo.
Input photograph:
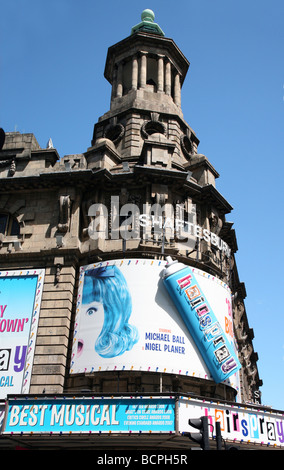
(99, 415)
(20, 298)
(142, 414)
(237, 422)
(126, 320)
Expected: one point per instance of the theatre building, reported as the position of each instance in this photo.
(122, 312)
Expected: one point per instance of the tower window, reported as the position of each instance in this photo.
(9, 226)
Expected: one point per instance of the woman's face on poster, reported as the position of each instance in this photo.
(91, 323)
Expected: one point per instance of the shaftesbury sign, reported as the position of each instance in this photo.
(156, 222)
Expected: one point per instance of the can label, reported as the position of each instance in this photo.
(191, 302)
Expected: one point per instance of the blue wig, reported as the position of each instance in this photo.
(108, 286)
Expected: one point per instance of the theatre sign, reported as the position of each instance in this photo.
(239, 424)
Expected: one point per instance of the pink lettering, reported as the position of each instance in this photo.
(210, 418)
(229, 305)
(185, 281)
(10, 326)
(202, 310)
(2, 308)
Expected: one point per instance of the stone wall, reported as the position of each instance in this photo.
(51, 353)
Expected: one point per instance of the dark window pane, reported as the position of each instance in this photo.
(15, 228)
(3, 222)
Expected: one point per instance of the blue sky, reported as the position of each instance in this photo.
(52, 61)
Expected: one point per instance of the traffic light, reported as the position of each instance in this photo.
(218, 435)
(202, 437)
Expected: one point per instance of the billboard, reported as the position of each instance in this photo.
(200, 319)
(20, 298)
(127, 320)
(237, 422)
(99, 415)
(141, 414)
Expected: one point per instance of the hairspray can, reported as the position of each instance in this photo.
(200, 320)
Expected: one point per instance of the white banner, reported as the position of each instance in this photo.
(237, 423)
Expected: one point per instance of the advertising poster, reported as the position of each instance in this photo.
(101, 415)
(126, 320)
(237, 423)
(20, 297)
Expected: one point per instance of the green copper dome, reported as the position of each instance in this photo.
(147, 24)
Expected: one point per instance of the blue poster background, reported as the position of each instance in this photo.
(17, 299)
(91, 415)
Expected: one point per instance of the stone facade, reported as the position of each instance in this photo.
(143, 152)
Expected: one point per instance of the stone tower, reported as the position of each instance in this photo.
(145, 121)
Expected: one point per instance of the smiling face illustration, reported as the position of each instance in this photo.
(91, 323)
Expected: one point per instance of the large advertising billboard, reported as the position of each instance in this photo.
(20, 298)
(127, 320)
(99, 415)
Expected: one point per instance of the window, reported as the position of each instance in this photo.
(9, 226)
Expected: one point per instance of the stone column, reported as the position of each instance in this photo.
(177, 97)
(134, 73)
(160, 73)
(119, 87)
(168, 84)
(143, 70)
(114, 83)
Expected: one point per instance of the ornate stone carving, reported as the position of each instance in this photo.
(9, 162)
(215, 221)
(64, 213)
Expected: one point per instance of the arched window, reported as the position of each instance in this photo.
(9, 226)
